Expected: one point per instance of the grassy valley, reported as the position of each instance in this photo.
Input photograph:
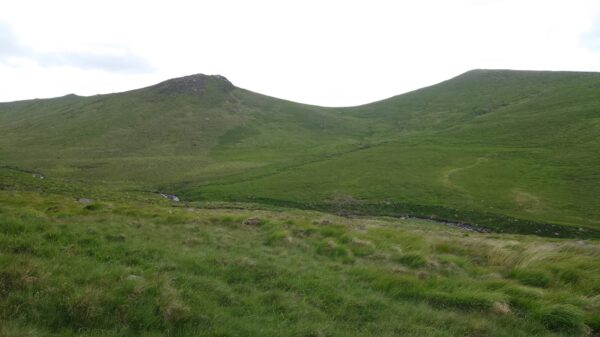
(490, 143)
(467, 208)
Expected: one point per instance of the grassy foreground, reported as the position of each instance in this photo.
(137, 265)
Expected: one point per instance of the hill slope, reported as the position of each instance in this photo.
(134, 134)
(487, 146)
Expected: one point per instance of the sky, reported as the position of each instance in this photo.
(325, 52)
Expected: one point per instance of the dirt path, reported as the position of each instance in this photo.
(34, 174)
(447, 175)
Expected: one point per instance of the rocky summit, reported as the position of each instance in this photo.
(197, 83)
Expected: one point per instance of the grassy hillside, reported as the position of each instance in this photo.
(136, 265)
(520, 144)
(512, 150)
(162, 133)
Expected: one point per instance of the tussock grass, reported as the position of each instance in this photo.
(411, 260)
(146, 267)
(563, 318)
(531, 277)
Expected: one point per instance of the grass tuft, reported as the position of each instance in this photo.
(411, 260)
(563, 318)
(531, 277)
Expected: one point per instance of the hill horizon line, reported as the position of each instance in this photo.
(198, 76)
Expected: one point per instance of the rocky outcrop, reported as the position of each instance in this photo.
(198, 83)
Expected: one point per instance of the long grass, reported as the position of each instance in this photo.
(146, 267)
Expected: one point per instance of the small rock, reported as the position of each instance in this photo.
(252, 222)
(325, 222)
(501, 308)
(85, 200)
(133, 277)
(169, 196)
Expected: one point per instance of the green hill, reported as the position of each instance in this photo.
(512, 150)
(88, 248)
(165, 132)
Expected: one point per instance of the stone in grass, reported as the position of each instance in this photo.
(252, 222)
(133, 277)
(85, 200)
(501, 308)
(171, 197)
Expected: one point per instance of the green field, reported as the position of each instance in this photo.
(137, 265)
(353, 211)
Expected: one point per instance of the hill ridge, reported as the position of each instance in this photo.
(196, 82)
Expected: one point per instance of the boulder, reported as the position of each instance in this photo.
(252, 222)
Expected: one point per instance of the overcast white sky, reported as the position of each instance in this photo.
(325, 52)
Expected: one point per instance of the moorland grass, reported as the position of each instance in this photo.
(149, 267)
